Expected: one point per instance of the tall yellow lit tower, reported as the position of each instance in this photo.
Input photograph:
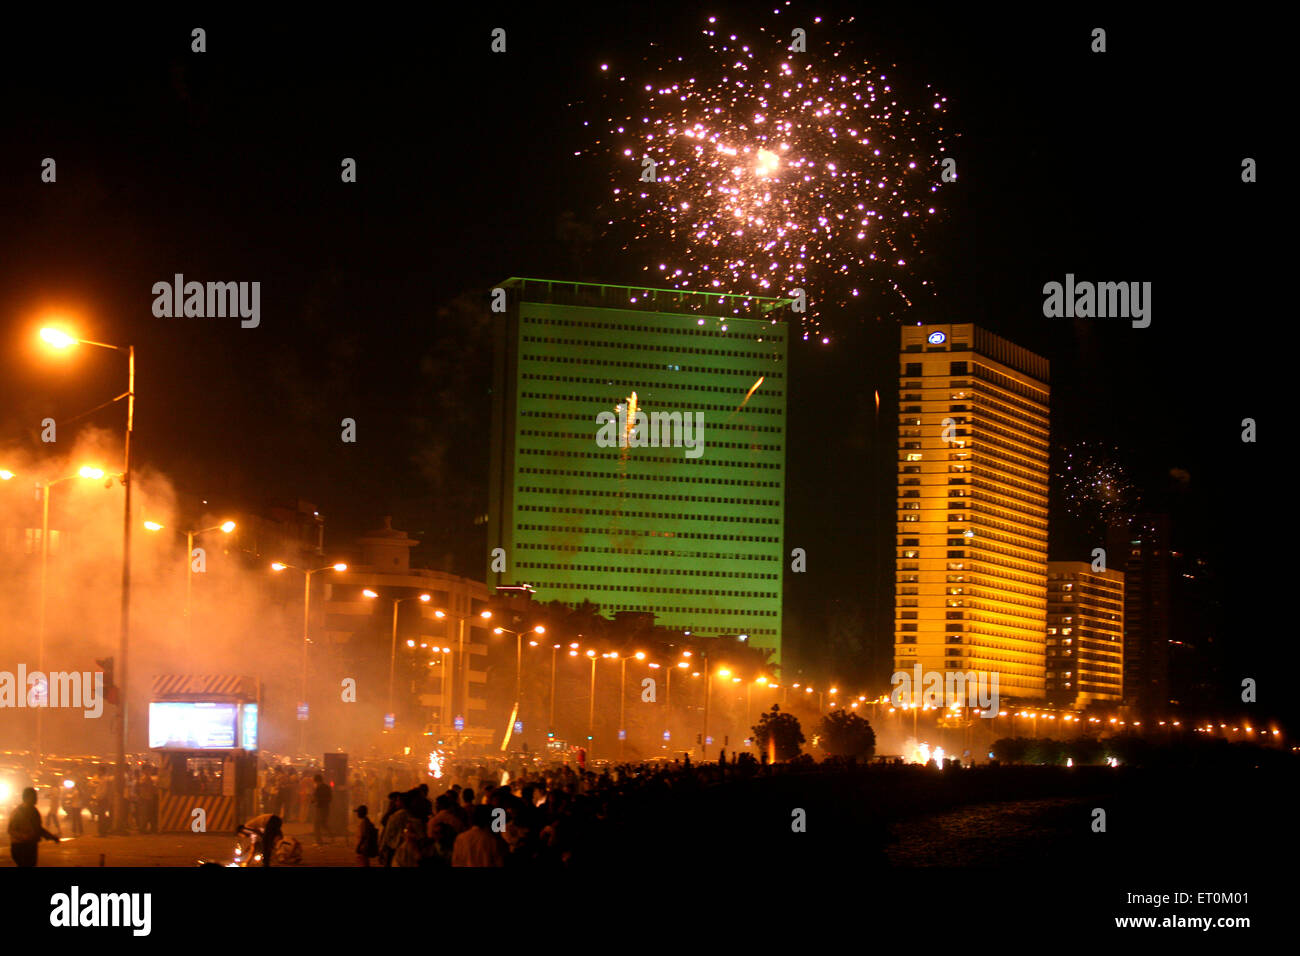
(971, 574)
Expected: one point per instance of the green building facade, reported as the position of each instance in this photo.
(588, 508)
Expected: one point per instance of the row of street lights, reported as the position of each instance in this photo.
(575, 650)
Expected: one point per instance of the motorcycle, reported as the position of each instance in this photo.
(248, 850)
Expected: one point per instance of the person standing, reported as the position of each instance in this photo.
(306, 790)
(103, 794)
(131, 813)
(479, 846)
(25, 830)
(72, 801)
(52, 820)
(394, 822)
(147, 803)
(322, 797)
(283, 803)
(367, 837)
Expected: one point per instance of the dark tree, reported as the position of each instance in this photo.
(782, 730)
(844, 734)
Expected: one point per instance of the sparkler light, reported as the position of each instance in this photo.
(747, 168)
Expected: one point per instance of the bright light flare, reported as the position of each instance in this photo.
(56, 338)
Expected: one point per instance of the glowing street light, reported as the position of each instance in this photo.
(225, 528)
(519, 654)
(87, 472)
(306, 618)
(60, 339)
(392, 653)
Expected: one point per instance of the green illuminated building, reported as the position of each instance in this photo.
(692, 530)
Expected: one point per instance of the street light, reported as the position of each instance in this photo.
(306, 610)
(551, 728)
(622, 702)
(519, 652)
(591, 704)
(392, 654)
(56, 338)
(225, 528)
(90, 473)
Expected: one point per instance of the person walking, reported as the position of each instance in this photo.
(25, 830)
(52, 819)
(321, 798)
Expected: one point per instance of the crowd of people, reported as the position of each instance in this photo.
(81, 793)
(554, 817)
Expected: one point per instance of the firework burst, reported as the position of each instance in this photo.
(775, 170)
(1095, 487)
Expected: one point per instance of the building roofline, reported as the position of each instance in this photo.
(699, 300)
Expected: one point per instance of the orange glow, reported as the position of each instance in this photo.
(57, 338)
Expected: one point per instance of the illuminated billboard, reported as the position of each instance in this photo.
(193, 725)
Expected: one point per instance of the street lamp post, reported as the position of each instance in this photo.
(622, 705)
(86, 472)
(461, 675)
(62, 340)
(708, 687)
(591, 705)
(551, 727)
(392, 653)
(306, 618)
(519, 654)
(225, 527)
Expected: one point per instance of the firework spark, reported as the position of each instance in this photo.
(775, 170)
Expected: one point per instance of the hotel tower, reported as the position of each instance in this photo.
(971, 578)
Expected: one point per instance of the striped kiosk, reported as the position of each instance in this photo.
(204, 730)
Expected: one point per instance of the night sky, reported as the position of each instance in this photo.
(224, 166)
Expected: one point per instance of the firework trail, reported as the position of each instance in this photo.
(774, 169)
